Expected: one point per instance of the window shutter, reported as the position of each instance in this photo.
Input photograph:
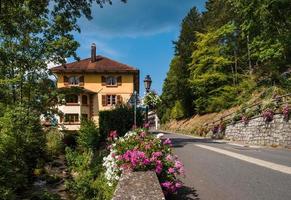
(104, 99)
(66, 80)
(61, 118)
(119, 80)
(119, 99)
(81, 81)
(103, 80)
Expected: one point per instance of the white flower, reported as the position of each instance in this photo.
(160, 135)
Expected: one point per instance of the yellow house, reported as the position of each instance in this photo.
(99, 83)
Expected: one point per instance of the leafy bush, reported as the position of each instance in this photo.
(21, 148)
(152, 99)
(140, 151)
(54, 142)
(119, 119)
(268, 104)
(177, 112)
(70, 139)
(88, 137)
(85, 165)
(88, 180)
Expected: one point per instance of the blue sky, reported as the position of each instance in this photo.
(138, 33)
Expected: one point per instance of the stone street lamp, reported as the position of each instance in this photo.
(147, 84)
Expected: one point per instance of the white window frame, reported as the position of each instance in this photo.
(111, 99)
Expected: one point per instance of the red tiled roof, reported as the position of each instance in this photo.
(101, 65)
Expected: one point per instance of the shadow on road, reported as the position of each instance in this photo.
(185, 193)
(180, 142)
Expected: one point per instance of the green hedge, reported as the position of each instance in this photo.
(119, 119)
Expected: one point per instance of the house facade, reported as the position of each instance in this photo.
(92, 85)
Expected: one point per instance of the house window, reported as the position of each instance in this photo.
(111, 81)
(84, 116)
(71, 117)
(84, 100)
(74, 80)
(111, 99)
(72, 98)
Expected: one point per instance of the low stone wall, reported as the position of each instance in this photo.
(259, 132)
(139, 185)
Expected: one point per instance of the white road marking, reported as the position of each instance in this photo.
(262, 163)
(244, 145)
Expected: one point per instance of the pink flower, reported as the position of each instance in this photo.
(178, 164)
(166, 184)
(146, 161)
(167, 142)
(159, 167)
(146, 125)
(157, 154)
(178, 185)
(171, 170)
(169, 157)
(112, 135)
(147, 146)
(143, 134)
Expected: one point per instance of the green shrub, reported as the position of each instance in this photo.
(70, 139)
(119, 119)
(54, 142)
(88, 137)
(177, 112)
(88, 181)
(21, 148)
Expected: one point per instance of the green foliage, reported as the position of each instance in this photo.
(152, 100)
(54, 142)
(120, 119)
(177, 111)
(44, 195)
(89, 136)
(88, 180)
(22, 145)
(239, 47)
(176, 85)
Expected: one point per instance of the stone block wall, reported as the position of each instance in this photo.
(139, 185)
(259, 132)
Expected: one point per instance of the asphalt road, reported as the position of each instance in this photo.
(212, 175)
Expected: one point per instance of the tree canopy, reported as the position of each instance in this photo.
(33, 33)
(232, 49)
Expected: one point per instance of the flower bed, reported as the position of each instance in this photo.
(141, 151)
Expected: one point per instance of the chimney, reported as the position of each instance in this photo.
(93, 52)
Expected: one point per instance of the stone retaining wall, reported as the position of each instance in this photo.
(259, 132)
(139, 186)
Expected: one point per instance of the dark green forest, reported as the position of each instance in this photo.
(226, 54)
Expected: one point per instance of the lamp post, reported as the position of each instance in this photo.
(147, 84)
